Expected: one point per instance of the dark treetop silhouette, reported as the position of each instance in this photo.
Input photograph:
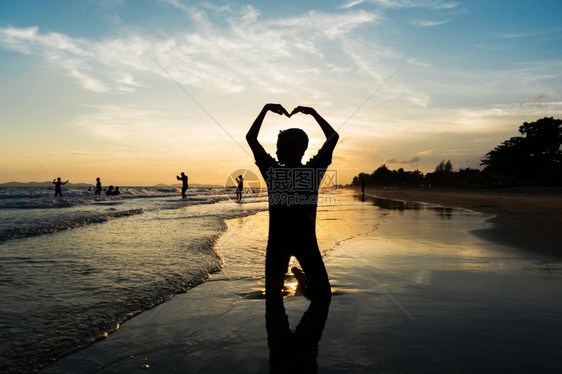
(532, 159)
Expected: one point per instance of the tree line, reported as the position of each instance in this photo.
(535, 158)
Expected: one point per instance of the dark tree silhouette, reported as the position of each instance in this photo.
(443, 174)
(444, 167)
(534, 158)
(383, 176)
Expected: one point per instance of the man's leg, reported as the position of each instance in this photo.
(276, 264)
(313, 266)
(277, 324)
(278, 335)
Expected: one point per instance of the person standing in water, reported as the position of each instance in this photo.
(58, 190)
(239, 188)
(98, 187)
(293, 200)
(184, 187)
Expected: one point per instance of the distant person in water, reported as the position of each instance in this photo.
(363, 186)
(184, 186)
(116, 192)
(239, 188)
(293, 199)
(98, 187)
(58, 190)
(109, 191)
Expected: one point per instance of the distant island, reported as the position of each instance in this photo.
(42, 184)
(86, 185)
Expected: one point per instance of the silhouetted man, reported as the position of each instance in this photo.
(239, 188)
(98, 187)
(58, 190)
(184, 186)
(293, 195)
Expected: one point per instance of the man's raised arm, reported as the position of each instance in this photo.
(331, 134)
(252, 135)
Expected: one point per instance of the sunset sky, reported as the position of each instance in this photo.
(137, 91)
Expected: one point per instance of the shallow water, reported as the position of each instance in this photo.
(414, 292)
(70, 275)
(436, 298)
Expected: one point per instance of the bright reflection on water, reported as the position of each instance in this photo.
(477, 306)
(63, 291)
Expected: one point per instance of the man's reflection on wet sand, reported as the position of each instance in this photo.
(295, 351)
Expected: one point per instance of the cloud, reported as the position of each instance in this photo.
(341, 141)
(370, 59)
(52, 154)
(269, 55)
(316, 55)
(483, 140)
(325, 24)
(413, 160)
(17, 39)
(446, 152)
(196, 15)
(538, 98)
(142, 130)
(426, 23)
(352, 3)
(526, 34)
(402, 92)
(129, 124)
(250, 15)
(428, 4)
(89, 82)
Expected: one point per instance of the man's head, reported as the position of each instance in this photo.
(291, 145)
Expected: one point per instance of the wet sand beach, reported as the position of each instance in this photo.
(414, 291)
(526, 217)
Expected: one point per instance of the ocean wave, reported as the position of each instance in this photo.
(34, 198)
(26, 231)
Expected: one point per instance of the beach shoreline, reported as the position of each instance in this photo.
(404, 300)
(528, 218)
